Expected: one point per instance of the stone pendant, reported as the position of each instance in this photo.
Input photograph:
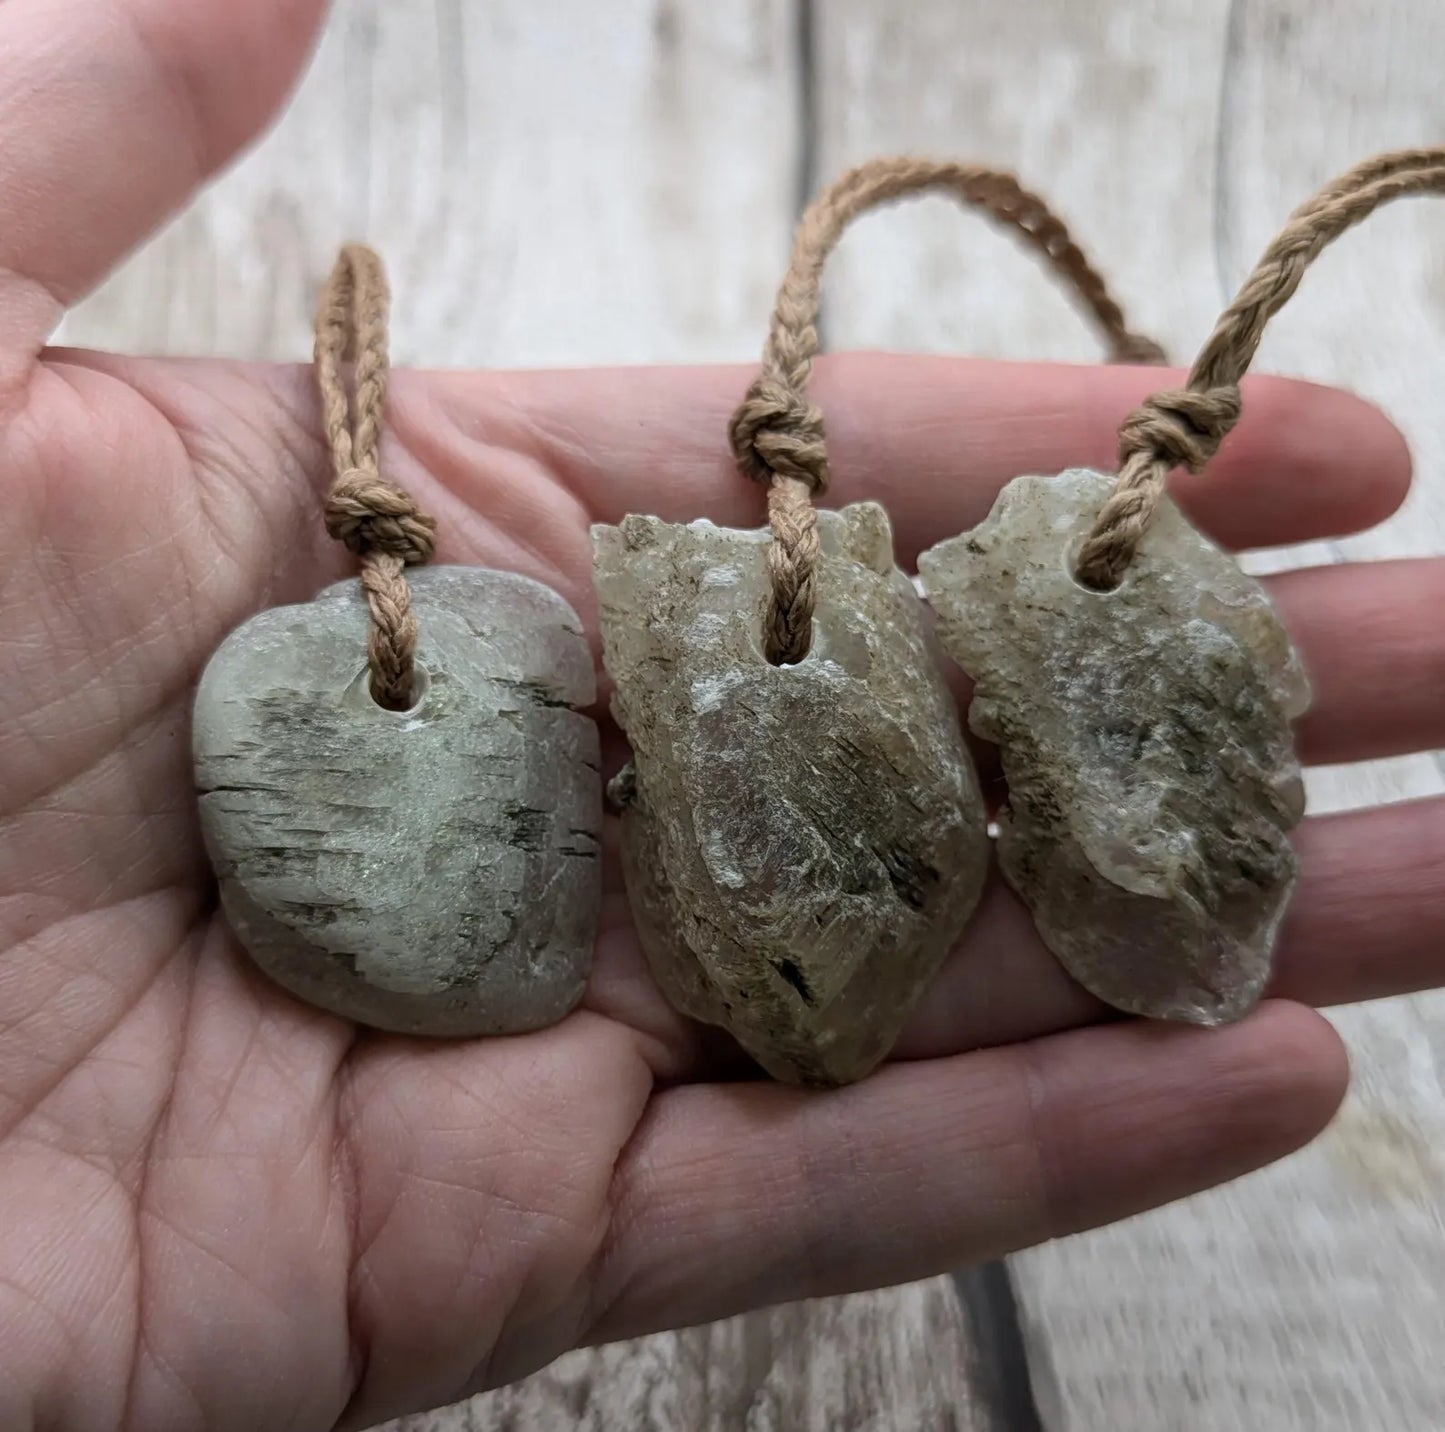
(1145, 737)
(433, 871)
(802, 844)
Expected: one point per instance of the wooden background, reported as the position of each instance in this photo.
(580, 182)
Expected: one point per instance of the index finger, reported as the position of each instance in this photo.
(934, 439)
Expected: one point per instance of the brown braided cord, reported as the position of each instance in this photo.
(373, 517)
(1367, 172)
(1183, 427)
(777, 434)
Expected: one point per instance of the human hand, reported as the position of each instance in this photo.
(221, 1208)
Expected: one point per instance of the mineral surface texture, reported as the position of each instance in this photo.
(802, 844)
(433, 871)
(1145, 738)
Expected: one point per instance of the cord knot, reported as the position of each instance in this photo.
(368, 514)
(1181, 427)
(777, 432)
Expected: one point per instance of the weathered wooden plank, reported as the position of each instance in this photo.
(1176, 140)
(877, 1362)
(561, 184)
(1108, 110)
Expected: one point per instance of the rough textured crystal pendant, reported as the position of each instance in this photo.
(408, 836)
(803, 842)
(1140, 686)
(1144, 733)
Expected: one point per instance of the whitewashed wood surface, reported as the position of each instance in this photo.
(582, 183)
(892, 1361)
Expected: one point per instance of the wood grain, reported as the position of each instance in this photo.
(1071, 99)
(1176, 138)
(876, 1362)
(550, 185)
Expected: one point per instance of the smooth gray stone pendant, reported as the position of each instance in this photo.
(1145, 737)
(802, 844)
(433, 871)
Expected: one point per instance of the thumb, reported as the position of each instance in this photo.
(112, 114)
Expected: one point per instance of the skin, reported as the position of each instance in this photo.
(221, 1209)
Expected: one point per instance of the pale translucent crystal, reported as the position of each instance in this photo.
(802, 844)
(434, 871)
(1145, 738)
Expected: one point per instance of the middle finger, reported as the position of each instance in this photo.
(1367, 921)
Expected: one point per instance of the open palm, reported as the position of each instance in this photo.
(219, 1208)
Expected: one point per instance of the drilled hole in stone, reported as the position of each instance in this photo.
(760, 646)
(1099, 588)
(420, 688)
(1071, 558)
(835, 642)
